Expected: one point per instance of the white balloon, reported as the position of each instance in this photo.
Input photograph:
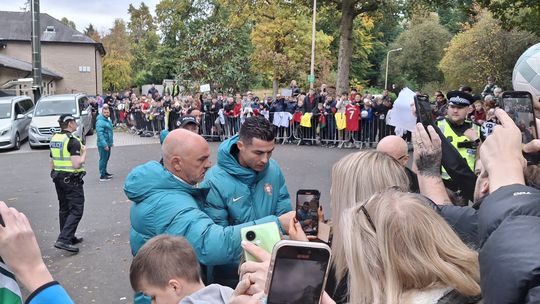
(526, 75)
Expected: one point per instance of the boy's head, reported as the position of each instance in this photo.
(165, 269)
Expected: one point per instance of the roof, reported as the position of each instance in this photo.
(17, 26)
(12, 63)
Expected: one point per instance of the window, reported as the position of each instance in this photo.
(83, 103)
(27, 105)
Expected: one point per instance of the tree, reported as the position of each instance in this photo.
(484, 49)
(522, 15)
(116, 63)
(143, 41)
(91, 32)
(68, 23)
(423, 45)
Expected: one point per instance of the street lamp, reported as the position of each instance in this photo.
(312, 68)
(387, 58)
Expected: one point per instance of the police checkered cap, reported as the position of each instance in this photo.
(65, 118)
(460, 99)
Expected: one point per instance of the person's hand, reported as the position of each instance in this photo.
(296, 232)
(240, 296)
(532, 147)
(427, 151)
(285, 219)
(326, 299)
(107, 148)
(471, 134)
(20, 251)
(501, 153)
(255, 272)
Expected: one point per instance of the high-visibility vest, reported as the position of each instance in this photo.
(60, 155)
(468, 154)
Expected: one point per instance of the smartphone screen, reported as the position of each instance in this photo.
(307, 206)
(299, 275)
(518, 105)
(423, 110)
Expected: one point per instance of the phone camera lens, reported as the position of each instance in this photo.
(250, 236)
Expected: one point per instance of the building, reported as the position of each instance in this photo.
(71, 62)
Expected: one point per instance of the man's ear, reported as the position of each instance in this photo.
(484, 187)
(240, 144)
(177, 163)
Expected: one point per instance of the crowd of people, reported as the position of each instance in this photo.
(458, 224)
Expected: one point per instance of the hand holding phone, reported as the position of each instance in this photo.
(264, 236)
(307, 208)
(298, 272)
(424, 112)
(519, 106)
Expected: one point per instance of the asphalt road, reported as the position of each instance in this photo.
(100, 272)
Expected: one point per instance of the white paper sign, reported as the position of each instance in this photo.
(205, 88)
(402, 116)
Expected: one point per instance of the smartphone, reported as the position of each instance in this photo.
(263, 235)
(307, 206)
(424, 112)
(519, 106)
(298, 272)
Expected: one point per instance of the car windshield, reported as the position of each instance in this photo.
(5, 110)
(55, 107)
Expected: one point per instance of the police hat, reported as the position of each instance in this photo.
(459, 99)
(186, 119)
(65, 118)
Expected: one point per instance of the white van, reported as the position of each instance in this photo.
(14, 120)
(47, 111)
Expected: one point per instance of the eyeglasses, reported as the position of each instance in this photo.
(364, 210)
(402, 157)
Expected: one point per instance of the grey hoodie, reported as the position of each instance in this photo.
(211, 294)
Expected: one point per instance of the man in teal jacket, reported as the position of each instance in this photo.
(168, 200)
(104, 130)
(246, 184)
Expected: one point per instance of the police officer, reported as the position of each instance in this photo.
(68, 155)
(463, 134)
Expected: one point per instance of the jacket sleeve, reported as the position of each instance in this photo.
(284, 200)
(214, 244)
(215, 207)
(51, 292)
(100, 130)
(509, 232)
(464, 221)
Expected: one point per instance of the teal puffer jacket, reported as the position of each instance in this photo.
(163, 204)
(104, 130)
(238, 194)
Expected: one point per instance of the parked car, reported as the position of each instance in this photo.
(47, 111)
(14, 120)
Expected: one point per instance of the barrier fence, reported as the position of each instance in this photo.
(316, 131)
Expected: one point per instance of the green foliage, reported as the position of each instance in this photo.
(91, 32)
(423, 46)
(485, 49)
(142, 37)
(117, 62)
(68, 23)
(524, 15)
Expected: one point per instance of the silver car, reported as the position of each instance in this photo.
(47, 111)
(15, 117)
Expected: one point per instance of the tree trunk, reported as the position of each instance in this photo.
(275, 87)
(345, 46)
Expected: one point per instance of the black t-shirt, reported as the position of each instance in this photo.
(74, 146)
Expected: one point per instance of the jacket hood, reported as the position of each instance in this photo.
(150, 178)
(229, 164)
(102, 118)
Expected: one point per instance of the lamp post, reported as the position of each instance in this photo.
(387, 58)
(312, 69)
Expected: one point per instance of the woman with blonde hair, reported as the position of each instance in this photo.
(355, 178)
(399, 250)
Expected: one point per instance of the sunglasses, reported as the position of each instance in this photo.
(366, 213)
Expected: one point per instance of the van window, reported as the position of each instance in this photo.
(5, 110)
(18, 109)
(27, 105)
(83, 103)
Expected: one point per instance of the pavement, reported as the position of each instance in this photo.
(100, 272)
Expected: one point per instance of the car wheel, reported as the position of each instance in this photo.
(17, 144)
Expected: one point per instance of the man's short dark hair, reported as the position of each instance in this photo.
(256, 127)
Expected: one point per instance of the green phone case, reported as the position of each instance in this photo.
(263, 235)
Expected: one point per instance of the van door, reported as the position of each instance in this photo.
(86, 118)
(28, 107)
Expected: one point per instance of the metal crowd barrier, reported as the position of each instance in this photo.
(216, 128)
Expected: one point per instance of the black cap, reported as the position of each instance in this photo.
(459, 99)
(65, 118)
(186, 119)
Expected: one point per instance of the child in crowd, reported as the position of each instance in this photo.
(166, 269)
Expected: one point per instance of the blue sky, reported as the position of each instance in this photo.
(101, 13)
